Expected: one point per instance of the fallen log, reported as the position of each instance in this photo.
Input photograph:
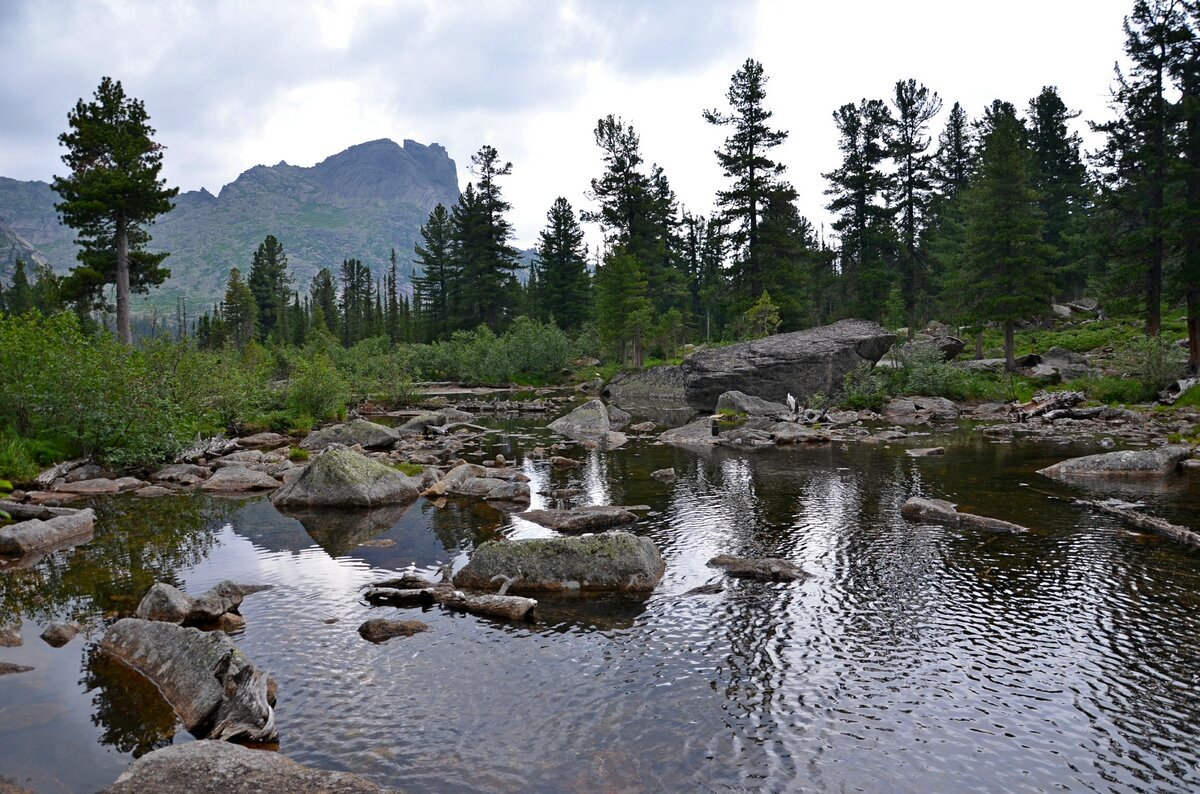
(377, 596)
(1043, 402)
(23, 511)
(498, 606)
(47, 478)
(1153, 524)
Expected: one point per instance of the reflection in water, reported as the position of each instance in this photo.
(916, 658)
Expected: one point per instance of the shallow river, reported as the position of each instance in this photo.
(916, 658)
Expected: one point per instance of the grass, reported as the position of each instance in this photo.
(411, 469)
(21, 459)
(298, 454)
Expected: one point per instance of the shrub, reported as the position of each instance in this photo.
(298, 454)
(16, 459)
(316, 388)
(1154, 361)
(865, 387)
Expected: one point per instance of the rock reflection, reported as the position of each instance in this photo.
(130, 712)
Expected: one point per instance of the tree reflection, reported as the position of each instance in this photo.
(130, 712)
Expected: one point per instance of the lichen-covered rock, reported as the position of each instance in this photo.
(611, 561)
(1126, 463)
(224, 768)
(26, 537)
(590, 420)
(740, 403)
(340, 477)
(581, 519)
(920, 410)
(212, 686)
(367, 435)
(235, 479)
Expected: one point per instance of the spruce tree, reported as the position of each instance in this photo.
(562, 282)
(624, 315)
(18, 299)
(112, 194)
(1184, 216)
(271, 284)
(754, 176)
(1005, 262)
(487, 262)
(239, 310)
(394, 331)
(323, 293)
(914, 106)
(432, 289)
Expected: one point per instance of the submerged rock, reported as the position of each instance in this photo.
(580, 519)
(612, 561)
(57, 635)
(939, 511)
(212, 686)
(26, 537)
(223, 768)
(383, 629)
(925, 452)
(367, 435)
(764, 569)
(8, 668)
(341, 477)
(1126, 463)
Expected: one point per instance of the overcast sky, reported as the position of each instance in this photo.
(229, 85)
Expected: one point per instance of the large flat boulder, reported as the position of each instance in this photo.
(237, 479)
(938, 511)
(581, 519)
(920, 410)
(591, 420)
(212, 686)
(341, 477)
(35, 534)
(801, 363)
(611, 561)
(367, 435)
(1126, 463)
(740, 403)
(224, 768)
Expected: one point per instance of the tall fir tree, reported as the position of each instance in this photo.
(239, 311)
(487, 262)
(1184, 215)
(271, 284)
(324, 297)
(563, 287)
(394, 328)
(432, 290)
(18, 298)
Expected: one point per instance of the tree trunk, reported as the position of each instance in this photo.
(1010, 361)
(124, 332)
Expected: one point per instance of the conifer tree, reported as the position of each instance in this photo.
(18, 299)
(562, 284)
(393, 308)
(112, 194)
(432, 289)
(1185, 215)
(271, 284)
(239, 310)
(486, 260)
(624, 315)
(323, 293)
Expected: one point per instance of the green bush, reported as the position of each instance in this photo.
(865, 387)
(1154, 361)
(1109, 390)
(316, 388)
(376, 370)
(16, 459)
(529, 351)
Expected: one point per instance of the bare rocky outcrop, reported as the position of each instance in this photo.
(939, 511)
(611, 561)
(213, 687)
(224, 768)
(1126, 463)
(341, 477)
(360, 432)
(801, 363)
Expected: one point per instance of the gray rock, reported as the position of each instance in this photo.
(920, 410)
(643, 427)
(360, 432)
(489, 488)
(1061, 364)
(802, 363)
(379, 630)
(265, 441)
(35, 534)
(235, 479)
(8, 668)
(152, 491)
(241, 457)
(925, 452)
(96, 487)
(795, 433)
(611, 561)
(57, 635)
(1126, 463)
(87, 471)
(981, 365)
(580, 519)
(10, 635)
(763, 569)
(949, 346)
(418, 425)
(739, 403)
(165, 603)
(224, 597)
(590, 420)
(340, 477)
(224, 768)
(696, 434)
(939, 511)
(617, 418)
(212, 686)
(663, 474)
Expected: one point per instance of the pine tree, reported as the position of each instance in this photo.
(915, 106)
(1005, 257)
(864, 222)
(271, 284)
(624, 314)
(562, 285)
(1184, 216)
(432, 289)
(487, 288)
(754, 176)
(112, 193)
(18, 299)
(239, 310)
(393, 305)
(323, 293)
(357, 302)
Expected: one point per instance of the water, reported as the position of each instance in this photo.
(919, 659)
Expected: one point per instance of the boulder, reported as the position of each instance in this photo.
(35, 534)
(939, 511)
(925, 452)
(165, 603)
(360, 432)
(242, 457)
(1127, 463)
(224, 768)
(57, 635)
(1061, 364)
(611, 561)
(617, 418)
(590, 420)
(223, 597)
(10, 635)
(265, 441)
(943, 342)
(920, 410)
(235, 479)
(95, 487)
(696, 434)
(580, 519)
(151, 491)
(666, 475)
(802, 363)
(88, 471)
(740, 403)
(8, 668)
(379, 630)
(418, 425)
(643, 427)
(341, 477)
(795, 433)
(763, 569)
(212, 686)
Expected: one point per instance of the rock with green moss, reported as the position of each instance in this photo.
(610, 561)
(1126, 463)
(367, 435)
(341, 477)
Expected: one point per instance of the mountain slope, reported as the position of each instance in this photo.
(359, 203)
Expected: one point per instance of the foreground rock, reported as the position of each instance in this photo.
(223, 768)
(379, 630)
(237, 479)
(763, 569)
(612, 561)
(341, 477)
(802, 363)
(593, 421)
(169, 604)
(1127, 463)
(939, 511)
(367, 435)
(580, 519)
(212, 686)
(35, 534)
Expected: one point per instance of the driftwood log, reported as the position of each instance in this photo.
(1044, 402)
(1142, 521)
(23, 512)
(47, 478)
(415, 590)
(213, 447)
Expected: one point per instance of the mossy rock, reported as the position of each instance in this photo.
(610, 561)
(341, 477)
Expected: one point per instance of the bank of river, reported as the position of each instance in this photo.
(916, 658)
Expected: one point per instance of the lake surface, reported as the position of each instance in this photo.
(915, 659)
